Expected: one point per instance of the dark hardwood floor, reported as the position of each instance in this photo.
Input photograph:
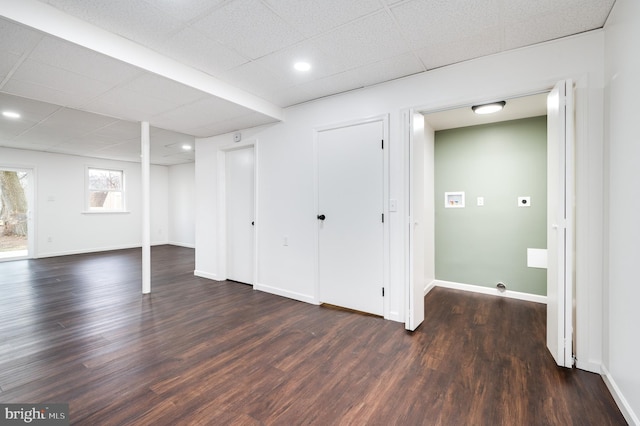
(76, 329)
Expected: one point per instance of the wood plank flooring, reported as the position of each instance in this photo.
(76, 329)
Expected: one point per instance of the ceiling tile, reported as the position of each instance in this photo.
(312, 17)
(425, 22)
(256, 78)
(31, 111)
(45, 94)
(237, 123)
(461, 49)
(186, 10)
(43, 136)
(128, 104)
(249, 27)
(157, 87)
(210, 110)
(57, 86)
(7, 62)
(132, 19)
(84, 122)
(368, 40)
(119, 130)
(194, 48)
(16, 38)
(555, 24)
(281, 64)
(79, 60)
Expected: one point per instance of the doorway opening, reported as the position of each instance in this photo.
(559, 223)
(16, 199)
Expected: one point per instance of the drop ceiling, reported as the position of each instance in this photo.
(197, 68)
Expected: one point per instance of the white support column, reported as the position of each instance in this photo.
(146, 208)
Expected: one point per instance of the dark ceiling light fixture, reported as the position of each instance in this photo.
(488, 108)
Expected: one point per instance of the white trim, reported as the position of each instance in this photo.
(590, 366)
(429, 287)
(623, 404)
(491, 291)
(106, 212)
(90, 250)
(285, 293)
(207, 275)
(179, 244)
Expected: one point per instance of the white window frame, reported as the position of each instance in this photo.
(88, 190)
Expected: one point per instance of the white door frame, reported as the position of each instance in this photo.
(407, 140)
(31, 214)
(384, 118)
(222, 207)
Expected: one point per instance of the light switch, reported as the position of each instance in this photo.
(480, 201)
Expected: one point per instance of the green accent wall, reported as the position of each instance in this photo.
(486, 245)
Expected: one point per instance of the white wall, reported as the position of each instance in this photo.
(60, 204)
(285, 162)
(622, 289)
(182, 204)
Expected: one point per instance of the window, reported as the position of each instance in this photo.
(105, 190)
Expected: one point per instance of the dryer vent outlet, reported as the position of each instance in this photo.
(501, 287)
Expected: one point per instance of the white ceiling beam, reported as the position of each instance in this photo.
(50, 20)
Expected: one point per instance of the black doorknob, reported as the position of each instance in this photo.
(253, 223)
(321, 217)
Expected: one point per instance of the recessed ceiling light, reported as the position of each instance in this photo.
(488, 108)
(10, 114)
(186, 147)
(302, 66)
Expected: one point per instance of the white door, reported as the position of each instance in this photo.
(239, 187)
(417, 222)
(350, 217)
(560, 195)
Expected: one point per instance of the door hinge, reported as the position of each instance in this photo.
(382, 217)
(382, 144)
(382, 291)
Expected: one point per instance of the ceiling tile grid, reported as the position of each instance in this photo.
(314, 17)
(250, 44)
(79, 60)
(17, 39)
(194, 48)
(250, 27)
(133, 19)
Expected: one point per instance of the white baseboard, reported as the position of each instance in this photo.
(395, 316)
(429, 287)
(207, 275)
(592, 367)
(286, 293)
(622, 402)
(179, 244)
(491, 291)
(84, 251)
